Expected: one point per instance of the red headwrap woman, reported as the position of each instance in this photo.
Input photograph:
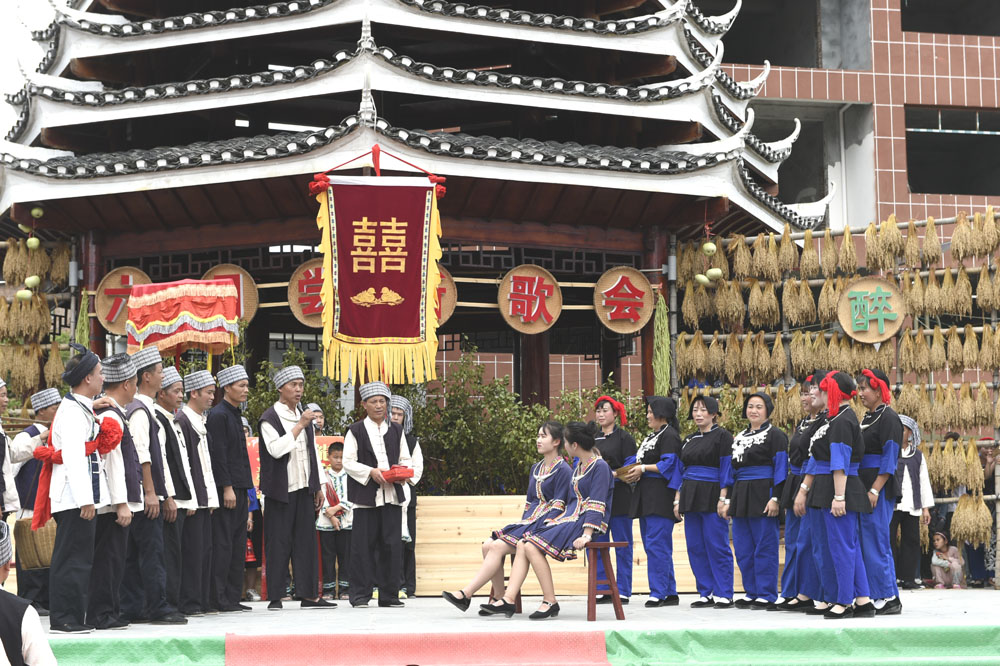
(617, 447)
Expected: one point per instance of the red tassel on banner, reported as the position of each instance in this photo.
(376, 154)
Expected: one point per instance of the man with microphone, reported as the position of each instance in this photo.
(290, 479)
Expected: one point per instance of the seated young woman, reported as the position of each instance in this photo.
(548, 490)
(587, 514)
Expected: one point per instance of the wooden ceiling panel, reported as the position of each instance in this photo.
(141, 211)
(171, 209)
(602, 210)
(483, 199)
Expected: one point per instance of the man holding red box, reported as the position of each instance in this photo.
(372, 447)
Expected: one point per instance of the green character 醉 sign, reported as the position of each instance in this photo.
(868, 307)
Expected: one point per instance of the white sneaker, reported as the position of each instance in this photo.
(253, 595)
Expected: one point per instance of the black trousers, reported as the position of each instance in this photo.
(229, 551)
(196, 559)
(172, 560)
(409, 574)
(144, 586)
(69, 573)
(907, 553)
(290, 535)
(336, 546)
(32, 584)
(376, 530)
(110, 543)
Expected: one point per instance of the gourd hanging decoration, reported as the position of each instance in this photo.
(892, 240)
(779, 360)
(962, 299)
(847, 260)
(963, 241)
(809, 261)
(788, 253)
(984, 291)
(970, 348)
(956, 362)
(932, 244)
(911, 250)
(938, 357)
(806, 305)
(829, 258)
(984, 406)
(741, 257)
(716, 359)
(875, 256)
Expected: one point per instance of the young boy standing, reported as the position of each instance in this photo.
(334, 525)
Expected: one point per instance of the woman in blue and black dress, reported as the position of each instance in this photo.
(548, 491)
(882, 430)
(760, 465)
(831, 495)
(799, 582)
(586, 515)
(706, 459)
(657, 478)
(617, 447)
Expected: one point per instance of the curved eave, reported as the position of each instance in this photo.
(347, 72)
(665, 39)
(764, 207)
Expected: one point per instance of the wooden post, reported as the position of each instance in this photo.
(535, 368)
(93, 271)
(654, 256)
(611, 363)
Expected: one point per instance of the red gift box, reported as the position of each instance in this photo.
(397, 473)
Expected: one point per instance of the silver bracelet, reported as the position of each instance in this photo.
(804, 487)
(873, 492)
(838, 498)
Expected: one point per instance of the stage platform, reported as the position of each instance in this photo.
(937, 626)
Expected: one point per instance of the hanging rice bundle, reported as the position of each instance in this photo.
(755, 304)
(892, 241)
(932, 244)
(807, 304)
(939, 413)
(921, 353)
(689, 306)
(995, 285)
(4, 320)
(908, 401)
(994, 354)
(984, 406)
(685, 265)
(15, 262)
(990, 234)
(966, 407)
(37, 263)
(793, 404)
(771, 268)
(847, 260)
(911, 251)
(702, 302)
(828, 260)
(925, 407)
(970, 348)
(917, 296)
(59, 270)
(956, 363)
(907, 352)
(984, 291)
(718, 260)
(905, 284)
(769, 304)
(847, 358)
(758, 261)
(729, 306)
(885, 357)
(961, 301)
(833, 360)
(820, 352)
(977, 235)
(741, 257)
(681, 356)
(16, 319)
(790, 302)
(996, 415)
(862, 356)
(827, 305)
(748, 357)
(809, 261)
(716, 358)
(41, 318)
(963, 239)
(935, 470)
(779, 360)
(761, 359)
(797, 351)
(875, 258)
(697, 354)
(932, 295)
(788, 253)
(971, 521)
(947, 293)
(986, 357)
(732, 368)
(938, 357)
(974, 468)
(778, 416)
(54, 367)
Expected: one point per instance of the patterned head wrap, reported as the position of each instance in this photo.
(372, 389)
(289, 374)
(911, 425)
(399, 402)
(88, 361)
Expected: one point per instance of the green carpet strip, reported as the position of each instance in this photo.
(788, 647)
(199, 651)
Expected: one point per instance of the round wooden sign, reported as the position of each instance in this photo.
(447, 296)
(530, 299)
(623, 299)
(246, 288)
(871, 309)
(111, 301)
(304, 291)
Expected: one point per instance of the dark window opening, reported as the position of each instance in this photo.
(781, 31)
(802, 176)
(953, 151)
(955, 17)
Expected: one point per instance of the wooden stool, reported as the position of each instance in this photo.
(602, 549)
(506, 579)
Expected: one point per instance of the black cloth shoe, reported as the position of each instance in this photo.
(728, 603)
(830, 614)
(42, 612)
(244, 608)
(504, 608)
(743, 603)
(319, 603)
(865, 610)
(892, 607)
(70, 629)
(211, 611)
(813, 610)
(653, 603)
(552, 611)
(193, 613)
(170, 618)
(762, 605)
(461, 603)
(390, 603)
(910, 585)
(703, 602)
(275, 605)
(116, 624)
(231, 609)
(671, 600)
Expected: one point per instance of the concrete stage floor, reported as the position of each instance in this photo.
(921, 608)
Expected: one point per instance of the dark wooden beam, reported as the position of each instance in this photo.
(671, 133)
(655, 245)
(245, 234)
(699, 212)
(643, 67)
(534, 359)
(93, 271)
(61, 139)
(104, 68)
(500, 232)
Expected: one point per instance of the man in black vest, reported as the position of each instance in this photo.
(144, 587)
(21, 633)
(124, 476)
(371, 447)
(231, 468)
(290, 477)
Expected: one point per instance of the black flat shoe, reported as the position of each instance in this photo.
(793, 604)
(865, 610)
(653, 603)
(553, 611)
(390, 603)
(743, 603)
(624, 600)
(461, 604)
(671, 600)
(723, 604)
(817, 611)
(762, 605)
(892, 607)
(704, 602)
(319, 603)
(275, 605)
(504, 608)
(831, 615)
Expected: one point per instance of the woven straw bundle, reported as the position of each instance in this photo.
(755, 304)
(962, 294)
(963, 239)
(759, 258)
(4, 321)
(925, 407)
(921, 353)
(797, 351)
(847, 260)
(685, 264)
(697, 354)
(947, 292)
(703, 301)
(16, 319)
(917, 297)
(790, 302)
(908, 401)
(911, 251)
(681, 357)
(892, 240)
(809, 261)
(956, 363)
(828, 260)
(59, 270)
(932, 244)
(729, 306)
(875, 256)
(987, 361)
(788, 253)
(742, 259)
(54, 367)
(761, 359)
(732, 367)
(984, 291)
(995, 285)
(807, 304)
(938, 358)
(974, 468)
(972, 521)
(936, 469)
(990, 235)
(820, 352)
(772, 261)
(907, 352)
(885, 357)
(779, 360)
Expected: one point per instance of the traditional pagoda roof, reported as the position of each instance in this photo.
(724, 160)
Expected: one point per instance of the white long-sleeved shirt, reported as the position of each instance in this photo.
(362, 473)
(11, 501)
(188, 504)
(114, 468)
(22, 449)
(35, 648)
(204, 456)
(417, 463)
(339, 482)
(73, 426)
(138, 425)
(906, 495)
(298, 465)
